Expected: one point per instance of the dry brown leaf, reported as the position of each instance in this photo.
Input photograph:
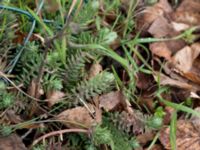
(160, 27)
(95, 69)
(166, 49)
(183, 59)
(77, 117)
(160, 49)
(145, 18)
(179, 27)
(188, 12)
(13, 117)
(165, 80)
(187, 137)
(196, 120)
(12, 142)
(34, 90)
(187, 62)
(54, 97)
(144, 138)
(111, 101)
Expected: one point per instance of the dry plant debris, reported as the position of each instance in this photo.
(110, 74)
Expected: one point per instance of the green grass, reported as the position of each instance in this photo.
(62, 62)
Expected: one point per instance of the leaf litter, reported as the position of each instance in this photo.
(132, 103)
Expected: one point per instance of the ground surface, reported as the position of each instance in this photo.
(99, 75)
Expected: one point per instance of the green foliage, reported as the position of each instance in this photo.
(156, 121)
(52, 82)
(88, 12)
(103, 37)
(103, 136)
(39, 147)
(29, 63)
(120, 139)
(6, 98)
(5, 130)
(97, 85)
(74, 71)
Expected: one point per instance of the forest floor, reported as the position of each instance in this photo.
(99, 74)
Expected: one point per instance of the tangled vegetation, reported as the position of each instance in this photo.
(82, 74)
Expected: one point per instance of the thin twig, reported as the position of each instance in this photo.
(60, 132)
(20, 90)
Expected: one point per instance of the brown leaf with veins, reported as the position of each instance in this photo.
(78, 117)
(187, 136)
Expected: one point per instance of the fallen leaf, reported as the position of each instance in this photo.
(187, 63)
(34, 90)
(144, 138)
(147, 16)
(77, 117)
(196, 120)
(165, 80)
(13, 117)
(188, 12)
(95, 69)
(12, 142)
(111, 101)
(160, 27)
(166, 49)
(160, 49)
(187, 137)
(179, 27)
(54, 97)
(183, 59)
